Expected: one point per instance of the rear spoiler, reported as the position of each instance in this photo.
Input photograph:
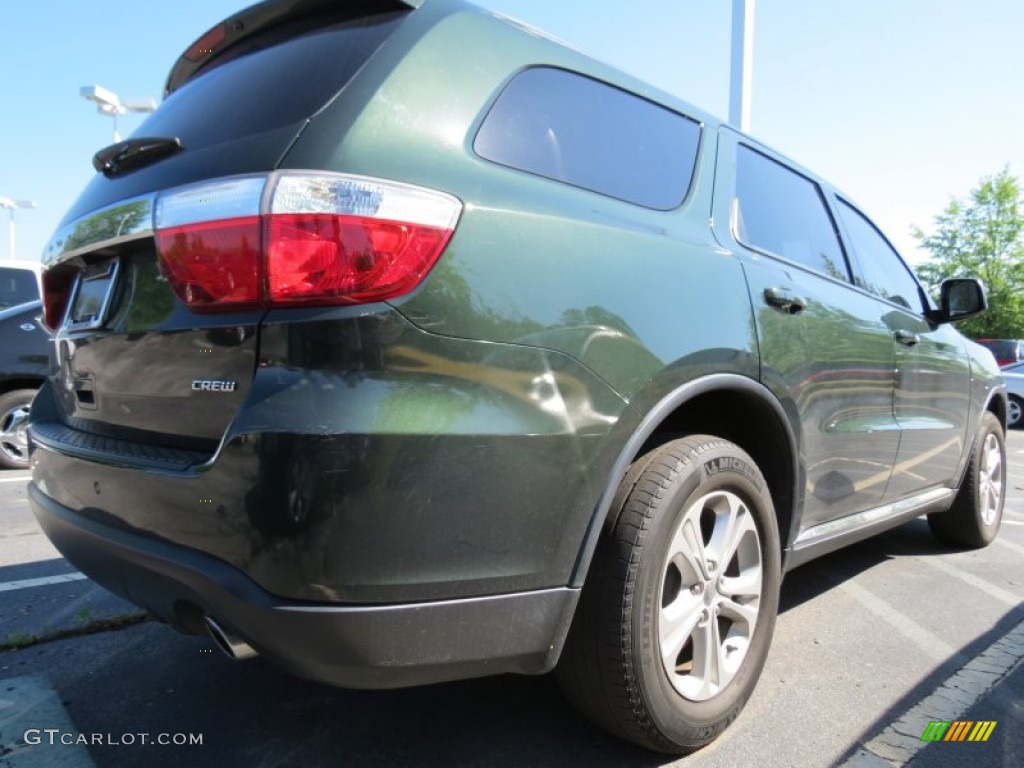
(244, 24)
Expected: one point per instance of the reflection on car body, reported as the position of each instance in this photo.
(466, 354)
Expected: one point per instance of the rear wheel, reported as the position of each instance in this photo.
(14, 428)
(677, 614)
(977, 511)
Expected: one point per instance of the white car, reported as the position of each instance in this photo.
(1014, 376)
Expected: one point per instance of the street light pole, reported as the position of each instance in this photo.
(10, 206)
(108, 103)
(742, 63)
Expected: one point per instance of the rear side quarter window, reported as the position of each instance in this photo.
(570, 128)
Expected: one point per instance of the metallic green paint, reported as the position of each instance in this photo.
(372, 462)
(467, 438)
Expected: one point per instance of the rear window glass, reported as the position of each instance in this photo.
(572, 129)
(277, 78)
(17, 286)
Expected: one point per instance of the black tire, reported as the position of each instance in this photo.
(1015, 413)
(612, 667)
(973, 519)
(13, 442)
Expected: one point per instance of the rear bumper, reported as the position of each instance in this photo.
(370, 463)
(381, 646)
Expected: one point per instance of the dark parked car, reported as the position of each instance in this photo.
(403, 344)
(19, 282)
(23, 356)
(24, 364)
(1005, 351)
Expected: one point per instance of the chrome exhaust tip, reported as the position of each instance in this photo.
(233, 646)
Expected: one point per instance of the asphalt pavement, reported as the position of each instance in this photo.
(872, 645)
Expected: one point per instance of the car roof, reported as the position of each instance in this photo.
(33, 266)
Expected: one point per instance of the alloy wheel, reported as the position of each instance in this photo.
(14, 434)
(990, 477)
(710, 595)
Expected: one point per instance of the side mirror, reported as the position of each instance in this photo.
(959, 299)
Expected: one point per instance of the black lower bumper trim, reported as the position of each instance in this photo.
(72, 442)
(354, 646)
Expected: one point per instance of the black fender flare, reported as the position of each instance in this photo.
(664, 408)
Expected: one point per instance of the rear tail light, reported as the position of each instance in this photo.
(214, 264)
(298, 238)
(56, 292)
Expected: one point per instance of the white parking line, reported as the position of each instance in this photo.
(22, 479)
(10, 586)
(1004, 542)
(932, 645)
(969, 578)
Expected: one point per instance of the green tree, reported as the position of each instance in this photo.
(983, 237)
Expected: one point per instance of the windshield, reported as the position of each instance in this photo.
(17, 286)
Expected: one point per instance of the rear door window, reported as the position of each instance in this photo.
(783, 213)
(589, 134)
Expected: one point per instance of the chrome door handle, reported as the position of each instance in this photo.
(781, 299)
(906, 338)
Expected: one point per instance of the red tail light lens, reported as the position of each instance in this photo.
(56, 293)
(321, 239)
(214, 264)
(207, 44)
(346, 259)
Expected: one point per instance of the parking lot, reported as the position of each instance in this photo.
(867, 640)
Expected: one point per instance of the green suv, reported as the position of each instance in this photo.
(403, 344)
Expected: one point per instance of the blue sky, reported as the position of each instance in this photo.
(901, 103)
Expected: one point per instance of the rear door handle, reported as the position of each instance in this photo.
(781, 299)
(906, 338)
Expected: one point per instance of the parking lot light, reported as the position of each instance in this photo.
(11, 206)
(108, 103)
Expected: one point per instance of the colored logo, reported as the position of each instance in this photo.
(958, 730)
